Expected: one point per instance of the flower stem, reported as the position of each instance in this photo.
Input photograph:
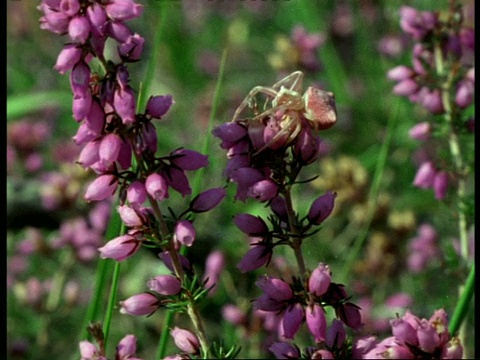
(111, 302)
(296, 243)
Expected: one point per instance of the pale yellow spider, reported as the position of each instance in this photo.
(291, 107)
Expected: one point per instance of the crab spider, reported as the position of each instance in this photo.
(291, 108)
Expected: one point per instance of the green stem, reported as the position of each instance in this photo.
(162, 344)
(111, 302)
(296, 243)
(461, 310)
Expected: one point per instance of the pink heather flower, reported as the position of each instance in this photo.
(400, 73)
(404, 332)
(279, 207)
(214, 265)
(321, 208)
(95, 118)
(188, 159)
(89, 154)
(417, 23)
(406, 87)
(275, 288)
(284, 350)
(140, 304)
(251, 225)
(452, 349)
(207, 200)
(131, 216)
(319, 280)
(185, 340)
(165, 285)
(233, 314)
(118, 31)
(440, 185)
(428, 338)
(80, 79)
(230, 132)
(421, 131)
(292, 319)
(124, 104)
(184, 233)
(109, 148)
(306, 147)
(79, 29)
(464, 95)
(68, 57)
(55, 21)
(257, 256)
(81, 106)
(132, 49)
(89, 351)
(350, 314)
(177, 179)
(245, 177)
(157, 106)
(69, 7)
(101, 188)
(123, 10)
(126, 348)
(136, 193)
(316, 322)
(266, 303)
(156, 186)
(98, 18)
(335, 334)
(120, 248)
(425, 175)
(263, 190)
(431, 100)
(362, 346)
(167, 259)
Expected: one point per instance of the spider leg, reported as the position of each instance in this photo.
(251, 97)
(291, 82)
(286, 130)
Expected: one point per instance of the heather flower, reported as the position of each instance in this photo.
(321, 208)
(89, 154)
(120, 248)
(132, 48)
(319, 280)
(234, 314)
(425, 175)
(97, 18)
(184, 233)
(126, 348)
(245, 178)
(68, 57)
(131, 216)
(185, 340)
(257, 256)
(285, 350)
(165, 285)
(251, 225)
(89, 351)
(123, 10)
(109, 148)
(79, 29)
(140, 304)
(274, 288)
(156, 186)
(136, 193)
(400, 72)
(177, 179)
(79, 79)
(335, 334)
(316, 322)
(167, 259)
(406, 87)
(229, 133)
(440, 185)
(292, 319)
(404, 331)
(464, 94)
(188, 159)
(214, 265)
(101, 188)
(263, 190)
(207, 200)
(157, 106)
(124, 104)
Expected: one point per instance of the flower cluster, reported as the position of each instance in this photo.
(125, 350)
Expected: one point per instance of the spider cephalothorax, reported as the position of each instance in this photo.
(289, 109)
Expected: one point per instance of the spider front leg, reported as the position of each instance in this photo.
(250, 98)
(292, 82)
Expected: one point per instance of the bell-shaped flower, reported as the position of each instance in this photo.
(319, 280)
(185, 340)
(207, 200)
(156, 186)
(292, 319)
(321, 208)
(165, 285)
(157, 106)
(316, 322)
(184, 233)
(140, 304)
(120, 248)
(188, 159)
(251, 225)
(101, 188)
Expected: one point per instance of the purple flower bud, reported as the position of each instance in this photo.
(284, 350)
(362, 346)
(428, 338)
(207, 200)
(270, 132)
(79, 29)
(404, 332)
(321, 208)
(214, 265)
(127, 347)
(257, 256)
(350, 314)
(440, 185)
(335, 334)
(233, 314)
(316, 322)
(69, 7)
(95, 118)
(178, 180)
(279, 207)
(263, 190)
(80, 79)
(131, 216)
(292, 319)
(68, 57)
(89, 351)
(400, 73)
(124, 104)
(406, 87)
(101, 188)
(81, 106)
(185, 340)
(136, 193)
(464, 96)
(120, 248)
(319, 280)
(307, 146)
(251, 225)
(452, 349)
(83, 135)
(275, 288)
(266, 303)
(432, 101)
(439, 320)
(150, 137)
(231, 132)
(89, 154)
(421, 131)
(188, 159)
(140, 304)
(98, 18)
(157, 106)
(425, 176)
(132, 49)
(109, 148)
(165, 285)
(184, 233)
(156, 186)
(119, 31)
(55, 21)
(124, 158)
